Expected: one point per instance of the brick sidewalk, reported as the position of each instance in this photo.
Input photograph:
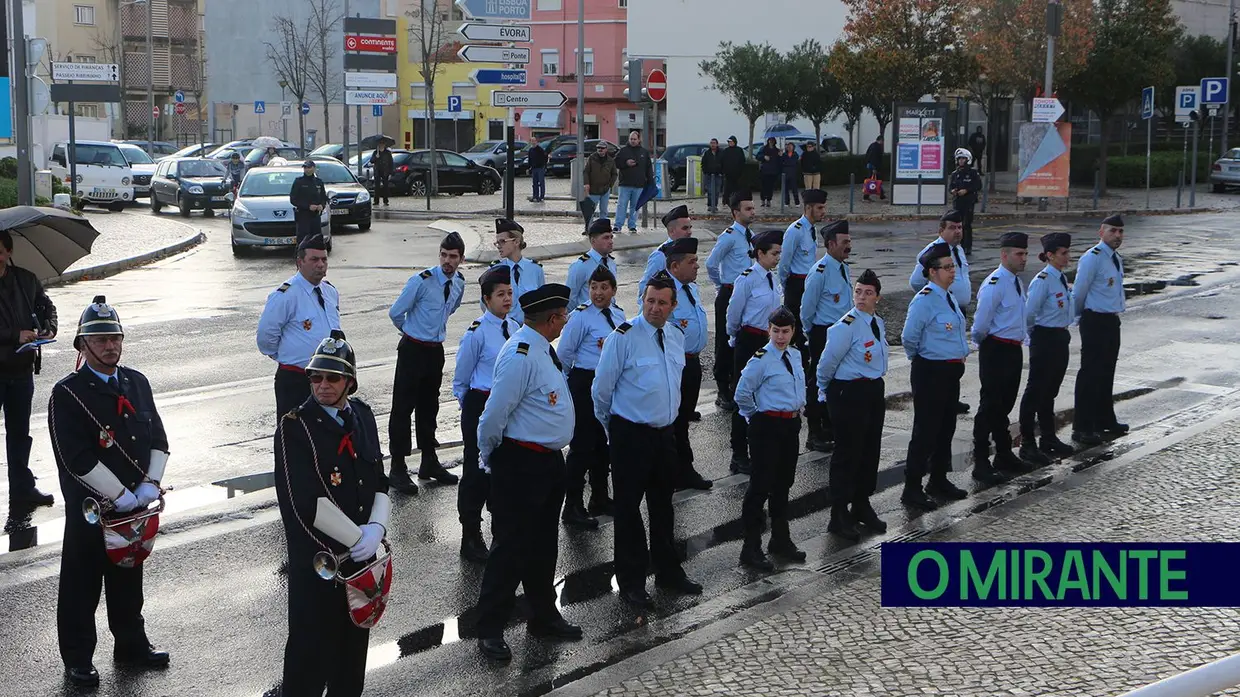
(843, 643)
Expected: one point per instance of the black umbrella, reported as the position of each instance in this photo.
(46, 241)
(387, 139)
(587, 207)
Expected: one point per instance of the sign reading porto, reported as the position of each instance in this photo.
(495, 9)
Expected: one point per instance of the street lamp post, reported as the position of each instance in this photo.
(1054, 14)
(283, 120)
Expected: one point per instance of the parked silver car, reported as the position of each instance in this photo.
(1226, 171)
(262, 215)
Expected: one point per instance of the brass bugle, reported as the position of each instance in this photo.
(327, 565)
(95, 510)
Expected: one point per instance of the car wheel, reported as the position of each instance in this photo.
(185, 207)
(364, 225)
(155, 204)
(1219, 188)
(329, 246)
(116, 207)
(238, 250)
(486, 188)
(417, 187)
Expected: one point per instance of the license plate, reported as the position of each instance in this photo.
(103, 193)
(274, 241)
(340, 211)
(217, 198)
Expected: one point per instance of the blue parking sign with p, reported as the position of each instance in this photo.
(1214, 90)
(454, 103)
(1147, 103)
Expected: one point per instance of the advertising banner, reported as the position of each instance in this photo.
(1045, 150)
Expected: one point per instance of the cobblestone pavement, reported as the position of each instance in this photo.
(843, 643)
(124, 235)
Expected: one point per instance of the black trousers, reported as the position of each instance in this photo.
(324, 650)
(419, 375)
(723, 352)
(645, 464)
(1000, 365)
(794, 290)
(690, 388)
(768, 185)
(527, 494)
(818, 416)
(308, 224)
(966, 213)
(859, 407)
(16, 398)
(1048, 362)
(383, 186)
(747, 344)
(587, 453)
(475, 484)
(936, 390)
(292, 390)
(773, 449)
(1095, 382)
(85, 571)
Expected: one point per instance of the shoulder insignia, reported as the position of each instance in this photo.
(582, 306)
(536, 262)
(496, 262)
(460, 275)
(328, 283)
(624, 327)
(523, 348)
(283, 287)
(617, 307)
(759, 353)
(849, 318)
(1042, 276)
(747, 271)
(584, 257)
(993, 280)
(678, 326)
(475, 325)
(925, 291)
(822, 268)
(1094, 250)
(358, 402)
(425, 274)
(797, 225)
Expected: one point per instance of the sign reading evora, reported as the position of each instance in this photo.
(370, 44)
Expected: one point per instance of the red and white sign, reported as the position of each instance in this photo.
(180, 108)
(370, 44)
(155, 111)
(656, 85)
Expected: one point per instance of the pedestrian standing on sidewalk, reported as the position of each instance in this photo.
(298, 316)
(1098, 301)
(965, 183)
(934, 340)
(999, 332)
(678, 224)
(827, 292)
(527, 274)
(690, 316)
(977, 146)
(636, 396)
(601, 174)
(811, 166)
(538, 173)
(421, 314)
(602, 241)
(26, 315)
(800, 248)
(712, 174)
(1048, 315)
(526, 424)
(471, 385)
(874, 159)
(383, 166)
(636, 171)
(754, 298)
(790, 163)
(850, 381)
(951, 231)
(729, 258)
(308, 197)
(581, 344)
(769, 170)
(769, 396)
(732, 162)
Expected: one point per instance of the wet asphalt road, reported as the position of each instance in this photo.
(191, 330)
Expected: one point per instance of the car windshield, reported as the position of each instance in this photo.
(202, 168)
(187, 151)
(275, 183)
(365, 158)
(256, 154)
(1233, 154)
(484, 146)
(565, 149)
(333, 173)
(136, 155)
(104, 155)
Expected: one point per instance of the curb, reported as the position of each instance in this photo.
(114, 267)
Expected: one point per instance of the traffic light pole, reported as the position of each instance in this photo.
(21, 106)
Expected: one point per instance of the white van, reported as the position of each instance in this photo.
(104, 176)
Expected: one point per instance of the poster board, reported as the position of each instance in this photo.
(920, 154)
(1045, 156)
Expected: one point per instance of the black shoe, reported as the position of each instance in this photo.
(1087, 437)
(637, 597)
(495, 649)
(436, 471)
(473, 547)
(1007, 461)
(1115, 429)
(1030, 453)
(82, 676)
(142, 658)
(740, 465)
(1056, 447)
(693, 480)
(785, 550)
(601, 506)
(725, 403)
(681, 585)
(864, 514)
(914, 496)
(32, 497)
(842, 524)
(575, 515)
(962, 408)
(820, 444)
(559, 628)
(695, 416)
(943, 488)
(984, 473)
(400, 481)
(752, 556)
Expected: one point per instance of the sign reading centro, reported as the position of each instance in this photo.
(370, 44)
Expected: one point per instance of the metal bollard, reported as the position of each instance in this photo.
(1179, 189)
(985, 197)
(783, 192)
(918, 194)
(852, 184)
(1097, 183)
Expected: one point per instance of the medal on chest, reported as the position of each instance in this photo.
(949, 326)
(553, 398)
(600, 342)
(837, 298)
(107, 438)
(336, 479)
(684, 324)
(1110, 282)
(307, 324)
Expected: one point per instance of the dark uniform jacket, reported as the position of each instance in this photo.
(538, 157)
(966, 178)
(350, 478)
(382, 162)
(307, 191)
(78, 443)
(23, 304)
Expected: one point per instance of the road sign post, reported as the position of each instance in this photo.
(1147, 113)
(1192, 189)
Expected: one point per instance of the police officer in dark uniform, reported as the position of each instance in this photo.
(965, 183)
(110, 445)
(308, 197)
(333, 497)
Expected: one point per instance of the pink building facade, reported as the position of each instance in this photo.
(553, 66)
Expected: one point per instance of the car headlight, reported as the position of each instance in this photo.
(240, 211)
(79, 179)
(194, 189)
(363, 197)
(124, 181)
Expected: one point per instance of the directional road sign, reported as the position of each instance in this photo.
(370, 44)
(1147, 103)
(376, 110)
(496, 32)
(91, 72)
(474, 53)
(380, 80)
(496, 9)
(545, 99)
(498, 77)
(454, 103)
(179, 97)
(1046, 110)
(1214, 90)
(305, 108)
(260, 107)
(369, 97)
(656, 85)
(1185, 102)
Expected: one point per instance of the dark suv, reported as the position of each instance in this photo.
(677, 157)
(457, 175)
(190, 183)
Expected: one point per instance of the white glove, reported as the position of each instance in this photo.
(126, 502)
(732, 341)
(822, 397)
(146, 494)
(368, 546)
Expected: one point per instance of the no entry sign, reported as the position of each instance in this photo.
(656, 85)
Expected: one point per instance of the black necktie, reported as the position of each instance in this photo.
(318, 292)
(770, 281)
(1018, 291)
(950, 302)
(504, 327)
(346, 416)
(748, 236)
(874, 328)
(516, 274)
(788, 364)
(1064, 281)
(1115, 260)
(606, 312)
(659, 335)
(689, 294)
(555, 359)
(956, 256)
(114, 385)
(447, 290)
(843, 273)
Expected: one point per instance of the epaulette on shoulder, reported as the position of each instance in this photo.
(460, 275)
(759, 353)
(582, 306)
(624, 327)
(822, 268)
(292, 413)
(617, 307)
(584, 257)
(1094, 250)
(475, 325)
(425, 274)
(797, 225)
(329, 283)
(283, 287)
(925, 291)
(849, 318)
(677, 325)
(496, 262)
(993, 280)
(536, 262)
(1043, 276)
(359, 402)
(523, 349)
(747, 271)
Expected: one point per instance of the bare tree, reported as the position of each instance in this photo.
(323, 69)
(426, 34)
(289, 54)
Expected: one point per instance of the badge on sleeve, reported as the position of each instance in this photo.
(949, 326)
(553, 398)
(1061, 304)
(684, 324)
(868, 356)
(306, 324)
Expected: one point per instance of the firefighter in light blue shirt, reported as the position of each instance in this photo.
(1098, 300)
(602, 241)
(471, 385)
(800, 248)
(678, 225)
(726, 261)
(1048, 315)
(527, 274)
(951, 231)
(421, 314)
(770, 395)
(690, 316)
(828, 295)
(850, 381)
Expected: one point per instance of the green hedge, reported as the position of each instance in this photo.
(1129, 172)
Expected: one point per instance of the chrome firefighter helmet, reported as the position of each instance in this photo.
(335, 355)
(98, 319)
